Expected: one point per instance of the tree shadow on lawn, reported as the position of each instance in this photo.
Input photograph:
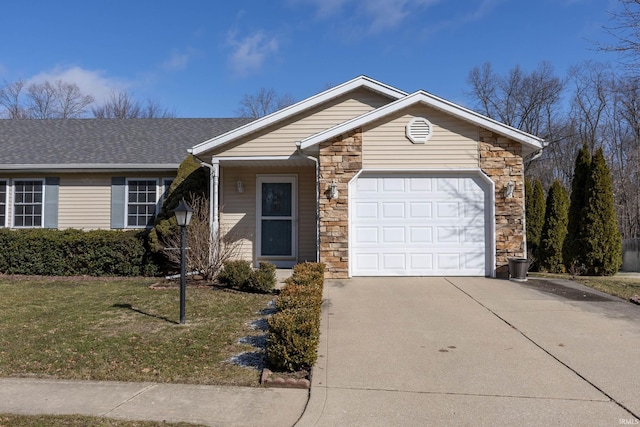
(130, 307)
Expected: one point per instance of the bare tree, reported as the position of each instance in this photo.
(59, 100)
(202, 243)
(626, 31)
(525, 101)
(46, 100)
(11, 95)
(121, 105)
(263, 103)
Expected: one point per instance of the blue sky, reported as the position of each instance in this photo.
(199, 57)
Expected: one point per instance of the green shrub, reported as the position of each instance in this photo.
(294, 331)
(74, 252)
(236, 274)
(262, 280)
(574, 248)
(602, 239)
(534, 208)
(293, 339)
(554, 230)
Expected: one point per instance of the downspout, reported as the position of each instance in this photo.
(313, 159)
(214, 223)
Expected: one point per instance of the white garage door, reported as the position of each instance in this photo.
(419, 225)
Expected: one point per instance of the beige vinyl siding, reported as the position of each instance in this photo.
(279, 139)
(84, 202)
(453, 144)
(238, 210)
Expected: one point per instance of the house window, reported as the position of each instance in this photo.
(166, 184)
(3, 203)
(27, 203)
(142, 198)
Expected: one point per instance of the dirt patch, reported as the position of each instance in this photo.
(567, 292)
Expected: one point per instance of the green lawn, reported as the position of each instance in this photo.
(123, 330)
(619, 285)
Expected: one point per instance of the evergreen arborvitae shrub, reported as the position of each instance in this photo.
(574, 248)
(602, 237)
(534, 208)
(554, 230)
(192, 180)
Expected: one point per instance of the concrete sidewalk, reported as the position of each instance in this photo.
(472, 351)
(206, 405)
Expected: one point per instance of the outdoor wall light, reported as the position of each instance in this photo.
(333, 190)
(508, 191)
(240, 186)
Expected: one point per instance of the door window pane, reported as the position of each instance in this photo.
(276, 199)
(276, 237)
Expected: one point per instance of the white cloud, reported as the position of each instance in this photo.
(250, 52)
(178, 60)
(378, 15)
(90, 82)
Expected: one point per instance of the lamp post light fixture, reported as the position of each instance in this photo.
(183, 215)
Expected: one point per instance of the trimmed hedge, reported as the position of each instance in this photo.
(71, 252)
(294, 331)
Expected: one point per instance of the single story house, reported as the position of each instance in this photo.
(366, 178)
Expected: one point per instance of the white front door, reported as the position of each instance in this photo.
(419, 225)
(276, 204)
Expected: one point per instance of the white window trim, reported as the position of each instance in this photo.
(13, 202)
(163, 190)
(281, 261)
(6, 201)
(126, 201)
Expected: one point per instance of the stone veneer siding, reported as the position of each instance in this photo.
(501, 159)
(339, 159)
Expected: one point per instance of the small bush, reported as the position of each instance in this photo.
(262, 280)
(294, 331)
(236, 274)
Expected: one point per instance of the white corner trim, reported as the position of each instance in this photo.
(358, 82)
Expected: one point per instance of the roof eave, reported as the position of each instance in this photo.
(533, 143)
(90, 167)
(306, 104)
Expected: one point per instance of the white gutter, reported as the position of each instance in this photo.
(313, 159)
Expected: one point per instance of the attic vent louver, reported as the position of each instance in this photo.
(419, 130)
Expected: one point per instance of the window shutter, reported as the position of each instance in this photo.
(118, 198)
(51, 192)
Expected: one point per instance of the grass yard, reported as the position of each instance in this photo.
(9, 420)
(122, 330)
(619, 285)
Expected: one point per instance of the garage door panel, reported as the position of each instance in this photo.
(420, 210)
(393, 210)
(418, 225)
(447, 210)
(393, 235)
(420, 235)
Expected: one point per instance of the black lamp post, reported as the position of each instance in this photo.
(183, 216)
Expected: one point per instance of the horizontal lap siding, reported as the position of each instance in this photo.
(453, 144)
(238, 210)
(85, 202)
(279, 140)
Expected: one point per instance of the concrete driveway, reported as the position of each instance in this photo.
(473, 351)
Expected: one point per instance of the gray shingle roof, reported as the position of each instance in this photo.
(105, 141)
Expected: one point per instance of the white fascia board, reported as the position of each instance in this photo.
(429, 100)
(358, 82)
(90, 167)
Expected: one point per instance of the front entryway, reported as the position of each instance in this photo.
(420, 224)
(276, 219)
